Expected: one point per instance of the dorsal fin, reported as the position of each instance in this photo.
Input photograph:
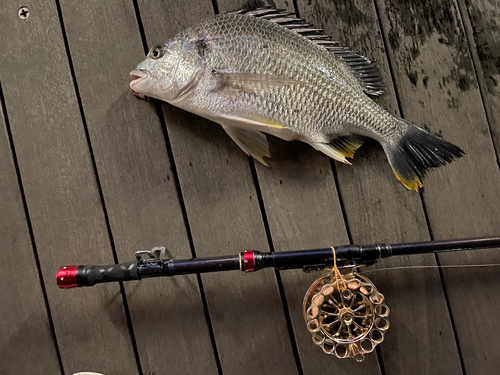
(363, 68)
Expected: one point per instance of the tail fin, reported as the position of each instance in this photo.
(415, 152)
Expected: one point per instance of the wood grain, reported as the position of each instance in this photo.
(481, 20)
(138, 184)
(437, 88)
(303, 211)
(369, 192)
(380, 209)
(61, 191)
(24, 327)
(224, 216)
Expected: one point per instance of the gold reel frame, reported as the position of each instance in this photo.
(347, 318)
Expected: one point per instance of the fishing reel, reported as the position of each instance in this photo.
(346, 315)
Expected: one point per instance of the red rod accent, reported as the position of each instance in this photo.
(248, 261)
(66, 277)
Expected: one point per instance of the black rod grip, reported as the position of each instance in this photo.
(90, 275)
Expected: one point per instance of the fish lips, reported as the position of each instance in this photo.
(138, 76)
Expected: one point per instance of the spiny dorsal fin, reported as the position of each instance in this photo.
(363, 68)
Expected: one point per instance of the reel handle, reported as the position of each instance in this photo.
(77, 276)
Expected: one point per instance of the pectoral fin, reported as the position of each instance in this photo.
(241, 122)
(230, 84)
(253, 143)
(265, 126)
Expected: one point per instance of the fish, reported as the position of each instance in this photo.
(265, 71)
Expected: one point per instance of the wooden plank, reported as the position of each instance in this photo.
(301, 219)
(481, 20)
(138, 185)
(24, 327)
(61, 191)
(223, 211)
(379, 209)
(437, 88)
(369, 192)
(303, 211)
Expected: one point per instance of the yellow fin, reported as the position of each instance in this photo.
(252, 142)
(410, 184)
(347, 145)
(330, 151)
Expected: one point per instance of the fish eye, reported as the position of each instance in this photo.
(156, 52)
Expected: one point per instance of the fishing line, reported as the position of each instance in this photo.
(338, 276)
(431, 267)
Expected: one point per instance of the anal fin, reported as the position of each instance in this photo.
(341, 148)
(252, 142)
(348, 145)
(330, 151)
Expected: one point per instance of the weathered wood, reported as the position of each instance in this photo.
(226, 6)
(138, 185)
(224, 216)
(61, 191)
(481, 21)
(24, 326)
(380, 209)
(437, 88)
(301, 219)
(298, 190)
(368, 191)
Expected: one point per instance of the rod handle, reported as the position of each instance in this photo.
(77, 276)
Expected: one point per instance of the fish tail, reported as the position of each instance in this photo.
(417, 150)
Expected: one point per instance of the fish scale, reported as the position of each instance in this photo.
(237, 52)
(266, 71)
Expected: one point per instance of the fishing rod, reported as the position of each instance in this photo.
(343, 309)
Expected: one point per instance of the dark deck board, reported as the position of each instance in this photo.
(24, 326)
(61, 191)
(481, 21)
(462, 199)
(137, 183)
(380, 209)
(170, 178)
(224, 215)
(293, 225)
(297, 179)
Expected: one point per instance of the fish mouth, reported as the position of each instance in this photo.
(137, 75)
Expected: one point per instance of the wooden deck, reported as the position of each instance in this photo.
(91, 174)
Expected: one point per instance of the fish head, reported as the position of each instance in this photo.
(169, 72)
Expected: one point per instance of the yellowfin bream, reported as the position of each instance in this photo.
(265, 71)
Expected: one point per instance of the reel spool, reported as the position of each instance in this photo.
(347, 318)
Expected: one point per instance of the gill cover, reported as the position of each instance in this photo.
(188, 69)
